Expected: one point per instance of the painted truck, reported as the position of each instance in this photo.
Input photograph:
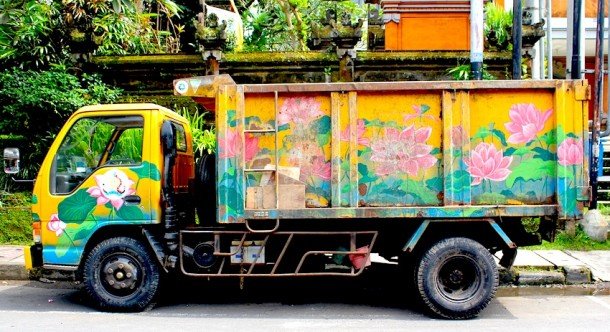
(311, 180)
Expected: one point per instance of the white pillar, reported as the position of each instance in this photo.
(532, 7)
(549, 39)
(476, 39)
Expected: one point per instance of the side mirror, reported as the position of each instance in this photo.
(168, 138)
(11, 160)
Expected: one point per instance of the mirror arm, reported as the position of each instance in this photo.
(22, 181)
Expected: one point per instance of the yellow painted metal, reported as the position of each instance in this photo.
(149, 190)
(27, 255)
(484, 146)
(456, 119)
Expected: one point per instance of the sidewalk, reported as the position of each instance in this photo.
(532, 267)
(12, 263)
(541, 267)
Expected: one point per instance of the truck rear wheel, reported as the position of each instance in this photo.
(457, 278)
(119, 275)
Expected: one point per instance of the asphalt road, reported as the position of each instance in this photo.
(310, 305)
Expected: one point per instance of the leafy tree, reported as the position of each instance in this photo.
(121, 26)
(29, 34)
(35, 34)
(36, 104)
(285, 25)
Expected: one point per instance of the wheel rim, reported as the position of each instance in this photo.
(459, 278)
(120, 274)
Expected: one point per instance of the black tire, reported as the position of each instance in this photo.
(120, 275)
(457, 278)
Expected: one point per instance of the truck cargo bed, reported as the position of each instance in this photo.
(399, 149)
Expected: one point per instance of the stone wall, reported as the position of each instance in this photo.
(149, 77)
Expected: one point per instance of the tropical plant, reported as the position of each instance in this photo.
(498, 25)
(204, 135)
(122, 27)
(39, 34)
(462, 73)
(29, 34)
(286, 25)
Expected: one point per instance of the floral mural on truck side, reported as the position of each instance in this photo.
(519, 169)
(511, 163)
(400, 162)
(306, 133)
(398, 165)
(80, 213)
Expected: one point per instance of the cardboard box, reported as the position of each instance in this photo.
(254, 197)
(292, 196)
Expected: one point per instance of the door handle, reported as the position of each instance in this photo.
(133, 200)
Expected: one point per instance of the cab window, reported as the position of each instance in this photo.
(95, 142)
(180, 137)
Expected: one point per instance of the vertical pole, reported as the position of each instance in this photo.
(549, 39)
(597, 100)
(517, 18)
(532, 7)
(476, 39)
(575, 64)
(540, 44)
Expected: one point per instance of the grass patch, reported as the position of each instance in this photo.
(604, 209)
(15, 218)
(580, 242)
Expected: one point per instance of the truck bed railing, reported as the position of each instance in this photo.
(274, 247)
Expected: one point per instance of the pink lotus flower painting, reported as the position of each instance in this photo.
(570, 152)
(420, 112)
(459, 136)
(404, 151)
(252, 148)
(318, 167)
(55, 225)
(487, 162)
(112, 186)
(361, 129)
(526, 123)
(228, 147)
(300, 111)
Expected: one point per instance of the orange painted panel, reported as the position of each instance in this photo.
(434, 32)
(560, 8)
(392, 36)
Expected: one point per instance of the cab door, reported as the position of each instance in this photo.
(100, 175)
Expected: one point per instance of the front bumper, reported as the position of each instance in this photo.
(33, 256)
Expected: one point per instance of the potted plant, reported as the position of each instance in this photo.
(497, 27)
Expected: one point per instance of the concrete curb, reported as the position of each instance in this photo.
(532, 275)
(13, 271)
(12, 263)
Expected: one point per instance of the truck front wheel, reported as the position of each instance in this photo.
(119, 275)
(457, 278)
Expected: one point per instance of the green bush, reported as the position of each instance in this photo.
(15, 218)
(204, 135)
(36, 104)
(580, 241)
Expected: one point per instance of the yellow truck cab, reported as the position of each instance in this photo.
(101, 175)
